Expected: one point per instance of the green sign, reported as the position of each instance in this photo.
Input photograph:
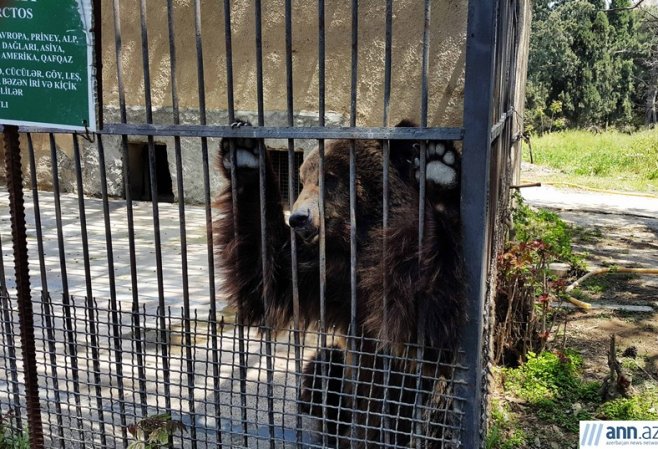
(46, 64)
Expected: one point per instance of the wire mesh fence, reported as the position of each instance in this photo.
(135, 325)
(101, 372)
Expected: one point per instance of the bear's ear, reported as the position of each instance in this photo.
(403, 153)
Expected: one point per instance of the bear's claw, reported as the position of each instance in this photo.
(246, 149)
(440, 165)
(239, 124)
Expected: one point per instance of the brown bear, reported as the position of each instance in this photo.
(386, 393)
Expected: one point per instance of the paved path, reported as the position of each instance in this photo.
(99, 275)
(212, 397)
(607, 203)
(628, 225)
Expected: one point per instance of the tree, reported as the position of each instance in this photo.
(648, 63)
(582, 55)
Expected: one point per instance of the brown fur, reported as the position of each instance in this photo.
(423, 288)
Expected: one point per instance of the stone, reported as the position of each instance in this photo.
(560, 269)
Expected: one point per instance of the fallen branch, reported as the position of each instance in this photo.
(578, 303)
(610, 270)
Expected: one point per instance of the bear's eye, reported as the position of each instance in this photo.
(330, 181)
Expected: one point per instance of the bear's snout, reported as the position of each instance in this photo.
(301, 221)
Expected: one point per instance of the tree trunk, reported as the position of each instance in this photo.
(651, 113)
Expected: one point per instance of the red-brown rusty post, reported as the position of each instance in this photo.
(14, 177)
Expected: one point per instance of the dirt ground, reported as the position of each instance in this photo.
(608, 237)
(628, 241)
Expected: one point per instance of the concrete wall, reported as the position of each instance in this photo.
(446, 75)
(446, 61)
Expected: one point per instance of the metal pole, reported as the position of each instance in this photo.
(476, 161)
(14, 176)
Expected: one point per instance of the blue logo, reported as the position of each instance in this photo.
(590, 436)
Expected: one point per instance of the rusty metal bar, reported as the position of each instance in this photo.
(14, 175)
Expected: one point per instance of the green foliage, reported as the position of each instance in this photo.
(503, 432)
(10, 436)
(525, 286)
(551, 384)
(153, 432)
(547, 227)
(582, 59)
(640, 407)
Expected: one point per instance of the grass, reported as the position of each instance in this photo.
(10, 436)
(643, 407)
(608, 282)
(610, 160)
(503, 429)
(551, 398)
(551, 385)
(546, 398)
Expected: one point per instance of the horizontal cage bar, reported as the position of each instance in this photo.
(264, 132)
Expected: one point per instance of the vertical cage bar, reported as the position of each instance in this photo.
(98, 58)
(45, 296)
(322, 239)
(292, 196)
(89, 300)
(476, 159)
(157, 241)
(137, 329)
(265, 265)
(9, 342)
(37, 215)
(115, 335)
(53, 431)
(208, 216)
(234, 199)
(9, 335)
(82, 336)
(9, 355)
(388, 50)
(354, 331)
(420, 313)
(71, 340)
(424, 90)
(118, 60)
(134, 287)
(423, 150)
(14, 180)
(353, 113)
(385, 424)
(182, 223)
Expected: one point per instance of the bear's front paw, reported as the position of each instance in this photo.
(441, 168)
(246, 150)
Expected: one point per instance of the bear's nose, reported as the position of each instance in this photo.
(299, 219)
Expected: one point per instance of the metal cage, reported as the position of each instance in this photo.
(128, 321)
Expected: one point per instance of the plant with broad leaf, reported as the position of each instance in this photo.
(526, 290)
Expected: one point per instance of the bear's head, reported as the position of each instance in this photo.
(305, 215)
